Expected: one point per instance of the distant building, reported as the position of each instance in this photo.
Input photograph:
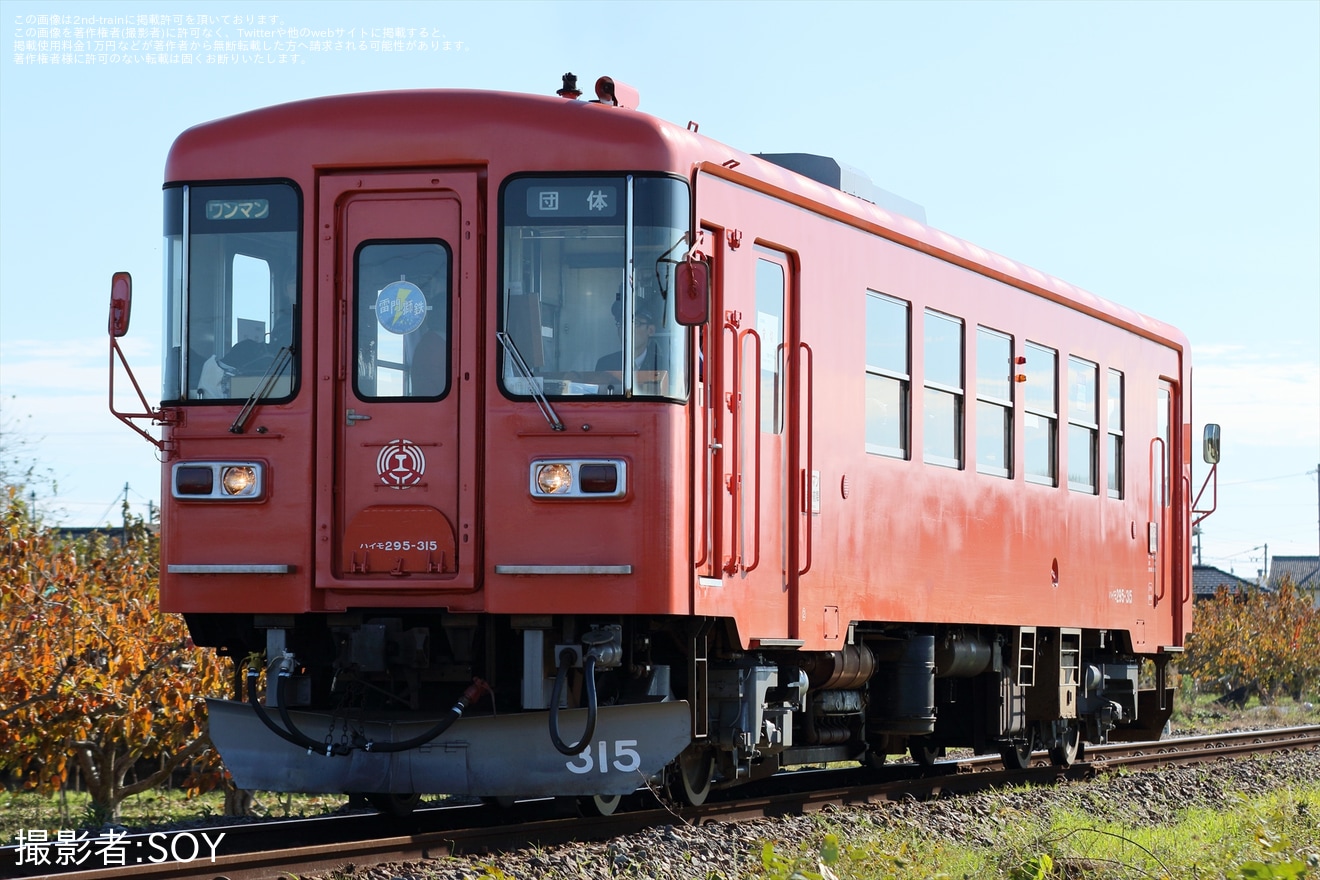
(1206, 581)
(75, 532)
(1304, 570)
(109, 532)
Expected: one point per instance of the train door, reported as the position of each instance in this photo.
(762, 359)
(1162, 484)
(745, 483)
(403, 254)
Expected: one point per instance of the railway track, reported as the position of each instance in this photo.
(276, 849)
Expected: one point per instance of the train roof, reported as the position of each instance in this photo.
(424, 128)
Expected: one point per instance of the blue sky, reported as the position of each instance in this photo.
(1165, 156)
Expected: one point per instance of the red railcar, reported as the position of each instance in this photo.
(859, 487)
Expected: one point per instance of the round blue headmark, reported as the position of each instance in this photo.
(401, 307)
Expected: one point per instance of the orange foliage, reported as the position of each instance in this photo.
(1270, 639)
(92, 675)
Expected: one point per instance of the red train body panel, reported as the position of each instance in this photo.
(895, 491)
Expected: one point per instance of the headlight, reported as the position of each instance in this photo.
(554, 479)
(218, 480)
(239, 481)
(579, 478)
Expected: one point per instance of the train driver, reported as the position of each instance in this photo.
(649, 353)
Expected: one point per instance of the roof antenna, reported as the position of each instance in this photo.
(570, 89)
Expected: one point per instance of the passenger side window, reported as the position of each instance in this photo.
(888, 380)
(1041, 417)
(1115, 431)
(943, 397)
(994, 402)
(1083, 425)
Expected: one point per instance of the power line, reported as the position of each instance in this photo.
(121, 497)
(1267, 479)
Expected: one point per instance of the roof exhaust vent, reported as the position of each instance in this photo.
(845, 178)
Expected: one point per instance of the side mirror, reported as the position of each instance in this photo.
(121, 303)
(692, 292)
(1210, 444)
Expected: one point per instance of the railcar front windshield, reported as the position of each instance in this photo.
(588, 273)
(232, 302)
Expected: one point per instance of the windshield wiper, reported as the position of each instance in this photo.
(526, 373)
(282, 358)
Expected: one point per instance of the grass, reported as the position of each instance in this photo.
(1278, 827)
(1195, 712)
(24, 810)
(1279, 831)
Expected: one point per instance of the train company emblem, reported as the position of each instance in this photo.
(401, 307)
(401, 464)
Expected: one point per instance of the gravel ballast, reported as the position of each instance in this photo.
(729, 850)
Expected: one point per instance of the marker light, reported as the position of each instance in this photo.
(599, 479)
(193, 480)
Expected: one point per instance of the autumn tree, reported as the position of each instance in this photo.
(1266, 638)
(92, 675)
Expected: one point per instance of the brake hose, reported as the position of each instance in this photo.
(561, 674)
(292, 734)
(297, 737)
(474, 692)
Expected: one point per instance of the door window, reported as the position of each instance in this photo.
(401, 332)
(770, 326)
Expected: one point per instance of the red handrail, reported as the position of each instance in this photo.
(734, 562)
(811, 433)
(1157, 506)
(756, 445)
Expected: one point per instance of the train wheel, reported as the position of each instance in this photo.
(1015, 755)
(696, 770)
(1068, 745)
(601, 804)
(872, 760)
(923, 752)
(397, 806)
